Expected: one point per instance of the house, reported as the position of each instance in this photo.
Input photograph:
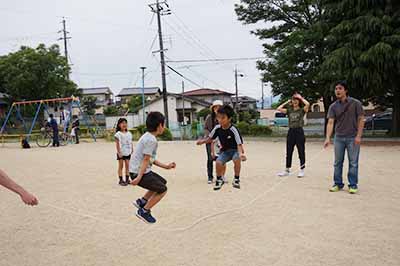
(150, 93)
(210, 95)
(3, 104)
(245, 103)
(104, 96)
(178, 108)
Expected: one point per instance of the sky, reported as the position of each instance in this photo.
(111, 40)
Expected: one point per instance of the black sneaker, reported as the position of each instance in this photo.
(210, 180)
(122, 182)
(236, 183)
(145, 216)
(139, 203)
(218, 184)
(127, 181)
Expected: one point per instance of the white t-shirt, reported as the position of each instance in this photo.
(147, 145)
(125, 142)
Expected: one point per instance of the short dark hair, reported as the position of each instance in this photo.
(154, 119)
(342, 83)
(227, 110)
(51, 115)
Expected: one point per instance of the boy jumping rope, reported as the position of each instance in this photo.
(231, 145)
(140, 168)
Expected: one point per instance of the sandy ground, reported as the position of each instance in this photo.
(85, 218)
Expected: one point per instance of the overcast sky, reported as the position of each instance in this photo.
(111, 40)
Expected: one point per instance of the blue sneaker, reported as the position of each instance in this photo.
(145, 216)
(139, 203)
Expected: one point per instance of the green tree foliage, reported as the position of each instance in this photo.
(365, 44)
(293, 43)
(89, 104)
(203, 113)
(112, 110)
(135, 103)
(35, 73)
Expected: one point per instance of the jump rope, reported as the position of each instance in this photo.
(196, 222)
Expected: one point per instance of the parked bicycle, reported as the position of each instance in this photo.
(46, 137)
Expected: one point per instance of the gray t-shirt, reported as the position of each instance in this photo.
(147, 145)
(346, 116)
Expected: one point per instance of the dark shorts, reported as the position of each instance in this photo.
(128, 157)
(226, 156)
(152, 181)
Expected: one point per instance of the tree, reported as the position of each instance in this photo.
(111, 110)
(365, 44)
(135, 103)
(89, 104)
(35, 73)
(294, 45)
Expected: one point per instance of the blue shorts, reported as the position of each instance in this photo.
(228, 155)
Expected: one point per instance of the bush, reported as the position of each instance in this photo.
(204, 112)
(142, 129)
(166, 135)
(243, 128)
(259, 130)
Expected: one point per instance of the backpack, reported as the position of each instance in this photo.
(25, 144)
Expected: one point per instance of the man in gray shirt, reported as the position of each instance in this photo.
(348, 114)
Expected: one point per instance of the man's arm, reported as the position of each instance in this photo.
(329, 130)
(360, 128)
(8, 183)
(142, 169)
(281, 109)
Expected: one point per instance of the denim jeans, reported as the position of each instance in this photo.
(353, 151)
(210, 161)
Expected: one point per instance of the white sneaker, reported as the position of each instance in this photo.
(225, 180)
(284, 173)
(301, 173)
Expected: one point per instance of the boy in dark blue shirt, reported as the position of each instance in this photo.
(54, 127)
(231, 145)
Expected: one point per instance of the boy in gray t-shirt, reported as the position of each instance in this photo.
(140, 168)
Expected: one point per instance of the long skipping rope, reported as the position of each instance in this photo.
(193, 224)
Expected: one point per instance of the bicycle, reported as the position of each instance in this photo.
(46, 137)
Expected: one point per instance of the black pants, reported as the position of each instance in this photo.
(295, 137)
(56, 142)
(209, 161)
(77, 132)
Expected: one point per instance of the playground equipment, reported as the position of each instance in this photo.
(72, 102)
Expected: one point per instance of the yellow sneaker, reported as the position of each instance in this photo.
(335, 188)
(353, 190)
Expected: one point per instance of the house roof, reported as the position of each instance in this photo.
(206, 91)
(138, 91)
(100, 90)
(187, 98)
(245, 99)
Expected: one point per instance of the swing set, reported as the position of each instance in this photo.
(72, 102)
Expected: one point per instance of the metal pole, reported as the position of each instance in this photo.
(6, 120)
(183, 102)
(262, 95)
(236, 91)
(33, 122)
(143, 101)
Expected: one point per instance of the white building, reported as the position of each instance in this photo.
(189, 106)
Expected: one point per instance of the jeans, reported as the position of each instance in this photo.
(295, 137)
(210, 161)
(353, 152)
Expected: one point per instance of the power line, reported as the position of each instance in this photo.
(215, 60)
(182, 76)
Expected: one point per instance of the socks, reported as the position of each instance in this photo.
(127, 179)
(236, 177)
(143, 200)
(219, 177)
(120, 178)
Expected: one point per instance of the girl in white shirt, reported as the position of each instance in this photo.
(123, 143)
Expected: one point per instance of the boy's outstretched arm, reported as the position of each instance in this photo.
(26, 197)
(142, 169)
(204, 141)
(165, 166)
(241, 152)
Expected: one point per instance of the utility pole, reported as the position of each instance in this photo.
(183, 102)
(144, 114)
(159, 9)
(262, 95)
(65, 38)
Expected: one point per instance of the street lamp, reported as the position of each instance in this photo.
(236, 88)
